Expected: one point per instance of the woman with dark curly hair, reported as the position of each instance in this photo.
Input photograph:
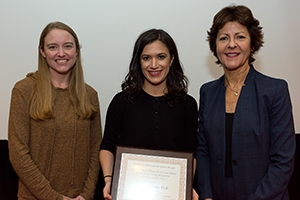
(246, 140)
(176, 82)
(153, 111)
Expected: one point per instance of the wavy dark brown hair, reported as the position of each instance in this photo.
(177, 82)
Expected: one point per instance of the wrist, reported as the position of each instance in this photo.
(107, 176)
(107, 179)
(107, 182)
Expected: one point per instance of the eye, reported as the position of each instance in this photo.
(240, 37)
(161, 57)
(145, 58)
(68, 46)
(223, 38)
(52, 47)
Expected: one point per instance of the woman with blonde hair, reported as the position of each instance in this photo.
(54, 124)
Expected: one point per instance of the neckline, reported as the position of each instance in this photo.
(149, 95)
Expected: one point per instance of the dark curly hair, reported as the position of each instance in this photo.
(177, 82)
(242, 15)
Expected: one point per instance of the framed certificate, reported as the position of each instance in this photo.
(152, 175)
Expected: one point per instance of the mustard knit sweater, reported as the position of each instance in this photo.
(54, 157)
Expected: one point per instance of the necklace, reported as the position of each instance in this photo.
(242, 79)
(236, 92)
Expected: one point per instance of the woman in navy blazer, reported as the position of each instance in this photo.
(246, 140)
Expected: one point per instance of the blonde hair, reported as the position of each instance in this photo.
(41, 102)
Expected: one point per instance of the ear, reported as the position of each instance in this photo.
(42, 52)
(252, 50)
(172, 60)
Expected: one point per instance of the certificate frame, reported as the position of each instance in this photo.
(152, 172)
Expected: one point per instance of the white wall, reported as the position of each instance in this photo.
(107, 30)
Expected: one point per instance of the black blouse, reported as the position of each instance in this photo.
(151, 122)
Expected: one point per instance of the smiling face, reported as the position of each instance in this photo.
(233, 44)
(59, 51)
(155, 62)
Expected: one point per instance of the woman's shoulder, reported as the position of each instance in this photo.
(119, 97)
(91, 90)
(270, 82)
(213, 84)
(263, 77)
(258, 76)
(189, 101)
(190, 98)
(118, 101)
(26, 83)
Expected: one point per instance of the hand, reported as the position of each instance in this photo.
(68, 198)
(106, 191)
(208, 199)
(76, 198)
(79, 198)
(195, 195)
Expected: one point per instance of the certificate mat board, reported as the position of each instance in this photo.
(152, 174)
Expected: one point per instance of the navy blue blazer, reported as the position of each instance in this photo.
(263, 140)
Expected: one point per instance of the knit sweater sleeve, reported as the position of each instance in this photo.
(95, 140)
(19, 151)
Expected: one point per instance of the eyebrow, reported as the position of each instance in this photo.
(234, 34)
(69, 43)
(50, 44)
(156, 54)
(53, 43)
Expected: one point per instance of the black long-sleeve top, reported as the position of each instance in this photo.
(151, 122)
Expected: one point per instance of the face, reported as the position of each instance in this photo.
(233, 46)
(59, 51)
(155, 61)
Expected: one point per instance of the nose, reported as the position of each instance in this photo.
(153, 63)
(61, 52)
(232, 43)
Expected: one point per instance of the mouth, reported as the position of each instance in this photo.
(232, 55)
(62, 61)
(155, 73)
